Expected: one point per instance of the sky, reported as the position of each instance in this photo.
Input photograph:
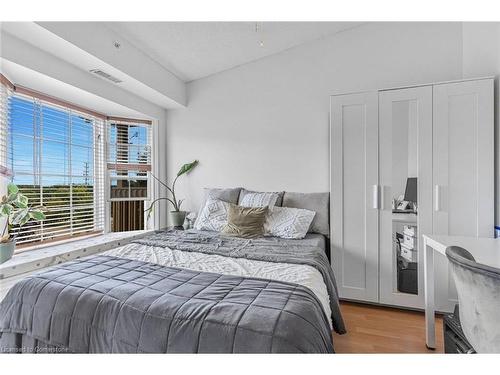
(46, 129)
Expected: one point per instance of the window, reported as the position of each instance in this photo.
(55, 155)
(90, 172)
(129, 166)
(4, 110)
(129, 160)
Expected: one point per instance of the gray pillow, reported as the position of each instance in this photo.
(278, 203)
(317, 202)
(227, 195)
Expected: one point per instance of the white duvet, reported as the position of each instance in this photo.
(304, 275)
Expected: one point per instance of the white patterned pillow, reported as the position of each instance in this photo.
(213, 216)
(259, 200)
(287, 222)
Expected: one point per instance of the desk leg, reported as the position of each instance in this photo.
(430, 320)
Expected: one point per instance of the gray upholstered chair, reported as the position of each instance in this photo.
(478, 288)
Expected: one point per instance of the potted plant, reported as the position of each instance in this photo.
(176, 215)
(14, 208)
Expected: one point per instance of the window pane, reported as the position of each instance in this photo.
(83, 191)
(137, 135)
(22, 115)
(119, 189)
(51, 151)
(129, 144)
(138, 188)
(56, 193)
(55, 158)
(28, 187)
(55, 124)
(82, 162)
(82, 131)
(22, 153)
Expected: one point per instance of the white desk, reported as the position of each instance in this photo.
(484, 250)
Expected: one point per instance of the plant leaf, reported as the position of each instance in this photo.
(22, 201)
(25, 219)
(18, 216)
(150, 211)
(12, 198)
(6, 209)
(37, 215)
(187, 167)
(12, 188)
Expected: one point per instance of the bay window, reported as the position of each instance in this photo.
(85, 169)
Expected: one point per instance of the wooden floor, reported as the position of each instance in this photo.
(373, 329)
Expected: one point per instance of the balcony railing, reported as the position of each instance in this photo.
(127, 215)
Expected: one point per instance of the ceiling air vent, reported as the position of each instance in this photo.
(105, 75)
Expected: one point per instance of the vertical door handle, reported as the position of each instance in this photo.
(376, 197)
(437, 198)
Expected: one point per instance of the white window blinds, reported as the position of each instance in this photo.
(57, 157)
(5, 93)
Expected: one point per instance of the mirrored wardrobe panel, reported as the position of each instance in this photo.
(405, 177)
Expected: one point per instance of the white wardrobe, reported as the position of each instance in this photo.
(407, 162)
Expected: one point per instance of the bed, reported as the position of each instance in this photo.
(180, 292)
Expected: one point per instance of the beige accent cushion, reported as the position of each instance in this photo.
(246, 222)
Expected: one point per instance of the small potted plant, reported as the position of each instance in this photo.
(176, 215)
(15, 210)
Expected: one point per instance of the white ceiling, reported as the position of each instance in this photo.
(192, 50)
(45, 40)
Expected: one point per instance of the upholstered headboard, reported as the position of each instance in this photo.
(318, 202)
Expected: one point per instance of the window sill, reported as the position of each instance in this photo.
(28, 261)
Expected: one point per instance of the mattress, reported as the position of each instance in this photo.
(180, 291)
(311, 239)
(300, 274)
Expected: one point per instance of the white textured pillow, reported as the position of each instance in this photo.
(213, 216)
(259, 200)
(286, 222)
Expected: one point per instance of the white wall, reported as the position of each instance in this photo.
(481, 57)
(265, 126)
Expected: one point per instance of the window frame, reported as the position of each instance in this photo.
(59, 232)
(150, 196)
(126, 178)
(109, 169)
(8, 89)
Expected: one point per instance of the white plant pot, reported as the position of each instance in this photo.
(6, 251)
(178, 218)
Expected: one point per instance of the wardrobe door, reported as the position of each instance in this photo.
(463, 176)
(405, 141)
(354, 194)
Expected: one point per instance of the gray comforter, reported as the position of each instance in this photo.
(108, 304)
(269, 249)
